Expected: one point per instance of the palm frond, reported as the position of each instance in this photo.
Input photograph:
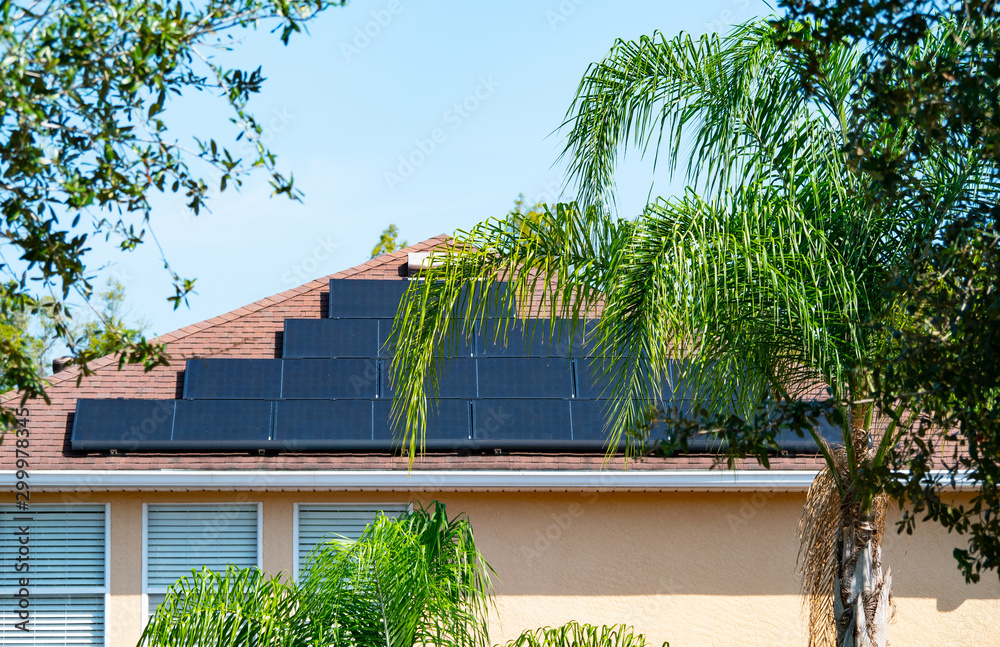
(414, 580)
(573, 634)
(418, 579)
(817, 559)
(765, 279)
(734, 102)
(555, 265)
(238, 607)
(750, 292)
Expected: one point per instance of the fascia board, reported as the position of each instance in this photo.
(425, 480)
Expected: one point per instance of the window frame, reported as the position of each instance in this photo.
(259, 505)
(103, 592)
(404, 507)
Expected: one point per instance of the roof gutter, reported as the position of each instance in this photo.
(424, 480)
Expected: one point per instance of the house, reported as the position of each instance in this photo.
(271, 435)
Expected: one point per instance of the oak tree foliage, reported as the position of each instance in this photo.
(941, 366)
(86, 89)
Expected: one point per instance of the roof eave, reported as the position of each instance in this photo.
(424, 480)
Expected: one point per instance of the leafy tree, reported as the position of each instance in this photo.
(109, 332)
(387, 242)
(523, 212)
(415, 580)
(33, 332)
(18, 347)
(85, 92)
(945, 95)
(942, 367)
(752, 293)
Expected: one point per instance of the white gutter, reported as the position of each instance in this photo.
(422, 480)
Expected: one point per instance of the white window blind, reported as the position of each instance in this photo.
(185, 537)
(66, 562)
(56, 621)
(153, 601)
(182, 538)
(318, 522)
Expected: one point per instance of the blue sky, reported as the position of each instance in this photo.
(469, 92)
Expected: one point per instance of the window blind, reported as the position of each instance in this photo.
(66, 573)
(319, 522)
(56, 620)
(182, 538)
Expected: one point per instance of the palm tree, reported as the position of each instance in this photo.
(418, 579)
(574, 634)
(765, 280)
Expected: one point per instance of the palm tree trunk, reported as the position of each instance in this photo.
(861, 590)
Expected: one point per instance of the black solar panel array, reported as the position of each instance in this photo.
(374, 299)
(232, 379)
(532, 387)
(332, 338)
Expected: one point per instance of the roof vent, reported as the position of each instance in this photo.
(60, 364)
(416, 261)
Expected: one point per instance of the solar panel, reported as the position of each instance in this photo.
(384, 332)
(589, 417)
(222, 424)
(521, 420)
(592, 421)
(232, 379)
(457, 346)
(302, 425)
(833, 434)
(379, 299)
(593, 383)
(786, 439)
(499, 301)
(456, 380)
(125, 425)
(516, 377)
(593, 348)
(329, 338)
(706, 443)
(789, 441)
(327, 379)
(365, 298)
(533, 338)
(449, 424)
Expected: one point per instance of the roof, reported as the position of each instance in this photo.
(254, 332)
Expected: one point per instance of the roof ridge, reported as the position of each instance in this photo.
(254, 307)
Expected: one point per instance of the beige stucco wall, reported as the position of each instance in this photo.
(696, 569)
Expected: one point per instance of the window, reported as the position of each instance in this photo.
(67, 573)
(179, 538)
(314, 522)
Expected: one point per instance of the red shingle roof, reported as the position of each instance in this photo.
(253, 331)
